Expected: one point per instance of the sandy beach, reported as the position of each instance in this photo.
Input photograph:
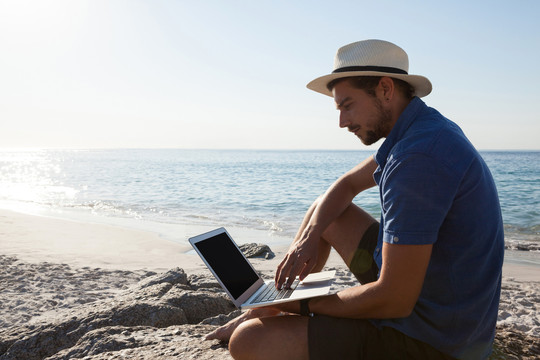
(54, 272)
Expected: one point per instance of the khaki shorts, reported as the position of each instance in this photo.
(337, 338)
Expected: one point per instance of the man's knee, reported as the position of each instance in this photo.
(346, 231)
(284, 337)
(243, 339)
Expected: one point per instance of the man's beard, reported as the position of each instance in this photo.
(382, 126)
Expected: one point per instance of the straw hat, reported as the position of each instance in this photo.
(371, 58)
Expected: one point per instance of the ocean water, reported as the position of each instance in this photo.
(265, 190)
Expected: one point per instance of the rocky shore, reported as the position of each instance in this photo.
(162, 316)
(55, 311)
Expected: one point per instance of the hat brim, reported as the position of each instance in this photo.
(422, 85)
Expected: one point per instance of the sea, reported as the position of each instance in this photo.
(156, 189)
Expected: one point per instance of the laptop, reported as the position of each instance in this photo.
(242, 283)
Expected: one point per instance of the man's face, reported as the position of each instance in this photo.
(363, 114)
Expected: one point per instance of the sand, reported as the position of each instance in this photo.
(49, 265)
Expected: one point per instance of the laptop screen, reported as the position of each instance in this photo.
(228, 263)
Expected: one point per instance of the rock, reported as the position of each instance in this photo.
(521, 245)
(162, 301)
(197, 305)
(174, 342)
(511, 344)
(257, 250)
(221, 319)
(173, 277)
(204, 282)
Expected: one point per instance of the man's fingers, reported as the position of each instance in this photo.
(282, 271)
(288, 270)
(296, 262)
(297, 268)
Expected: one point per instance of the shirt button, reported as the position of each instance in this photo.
(396, 239)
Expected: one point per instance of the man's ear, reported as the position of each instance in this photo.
(386, 88)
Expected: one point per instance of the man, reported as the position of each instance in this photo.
(430, 271)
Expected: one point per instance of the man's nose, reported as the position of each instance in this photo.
(343, 120)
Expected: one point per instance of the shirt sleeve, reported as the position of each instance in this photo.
(417, 192)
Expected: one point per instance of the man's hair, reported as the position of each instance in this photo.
(369, 83)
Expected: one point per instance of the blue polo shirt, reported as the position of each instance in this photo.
(436, 189)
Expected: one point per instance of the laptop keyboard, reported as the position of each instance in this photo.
(271, 293)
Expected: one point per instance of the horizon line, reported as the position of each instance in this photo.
(7, 149)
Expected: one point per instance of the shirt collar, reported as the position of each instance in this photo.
(405, 120)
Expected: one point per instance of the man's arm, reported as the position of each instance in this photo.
(303, 253)
(393, 295)
(340, 194)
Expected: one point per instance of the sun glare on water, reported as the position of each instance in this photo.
(30, 178)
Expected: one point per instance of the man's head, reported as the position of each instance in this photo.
(368, 109)
(371, 87)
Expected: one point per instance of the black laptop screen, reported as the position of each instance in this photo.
(228, 263)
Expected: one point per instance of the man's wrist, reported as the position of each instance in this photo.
(304, 308)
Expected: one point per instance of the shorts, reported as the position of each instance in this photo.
(363, 266)
(338, 338)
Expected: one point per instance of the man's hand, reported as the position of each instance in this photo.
(303, 255)
(300, 259)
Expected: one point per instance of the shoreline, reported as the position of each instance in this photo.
(42, 238)
(38, 238)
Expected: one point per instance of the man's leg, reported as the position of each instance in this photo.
(344, 234)
(286, 337)
(277, 337)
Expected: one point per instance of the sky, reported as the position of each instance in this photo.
(233, 74)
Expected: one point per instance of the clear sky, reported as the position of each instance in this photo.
(232, 74)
